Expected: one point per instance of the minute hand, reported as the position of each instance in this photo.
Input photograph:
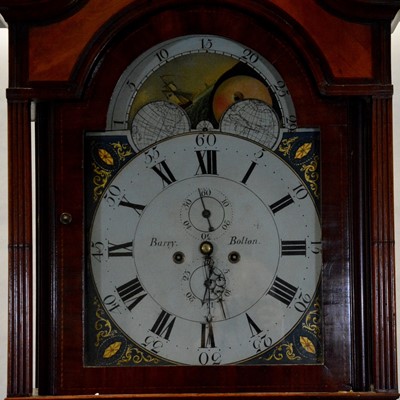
(206, 213)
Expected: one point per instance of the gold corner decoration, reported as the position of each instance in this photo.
(132, 354)
(102, 325)
(100, 180)
(123, 150)
(112, 349)
(307, 345)
(123, 353)
(313, 320)
(284, 350)
(311, 175)
(286, 145)
(103, 175)
(303, 151)
(106, 157)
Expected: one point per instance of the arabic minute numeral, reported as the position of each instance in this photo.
(187, 203)
(300, 192)
(162, 55)
(111, 303)
(97, 250)
(262, 343)
(112, 195)
(205, 192)
(225, 202)
(280, 89)
(206, 358)
(225, 224)
(302, 303)
(151, 155)
(316, 247)
(186, 276)
(190, 296)
(206, 139)
(259, 154)
(153, 344)
(131, 85)
(206, 44)
(249, 56)
(291, 123)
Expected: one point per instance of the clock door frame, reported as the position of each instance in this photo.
(370, 184)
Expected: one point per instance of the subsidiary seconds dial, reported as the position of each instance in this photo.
(209, 249)
(206, 210)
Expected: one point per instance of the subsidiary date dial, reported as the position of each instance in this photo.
(205, 249)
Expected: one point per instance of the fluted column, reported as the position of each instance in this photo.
(382, 241)
(20, 249)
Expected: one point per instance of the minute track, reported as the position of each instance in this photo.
(257, 261)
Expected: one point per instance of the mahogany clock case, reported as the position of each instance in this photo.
(71, 120)
(350, 361)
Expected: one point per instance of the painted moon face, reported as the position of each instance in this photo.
(238, 88)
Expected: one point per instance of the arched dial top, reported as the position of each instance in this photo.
(206, 249)
(201, 82)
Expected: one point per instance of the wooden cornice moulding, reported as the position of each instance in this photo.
(41, 10)
(94, 29)
(363, 10)
(38, 11)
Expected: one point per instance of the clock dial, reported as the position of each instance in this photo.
(205, 249)
(193, 82)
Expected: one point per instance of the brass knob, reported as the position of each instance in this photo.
(206, 248)
(65, 218)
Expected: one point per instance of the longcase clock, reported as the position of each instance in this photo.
(214, 213)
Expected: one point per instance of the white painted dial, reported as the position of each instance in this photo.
(205, 249)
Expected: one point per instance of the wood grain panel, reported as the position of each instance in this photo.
(54, 60)
(345, 45)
